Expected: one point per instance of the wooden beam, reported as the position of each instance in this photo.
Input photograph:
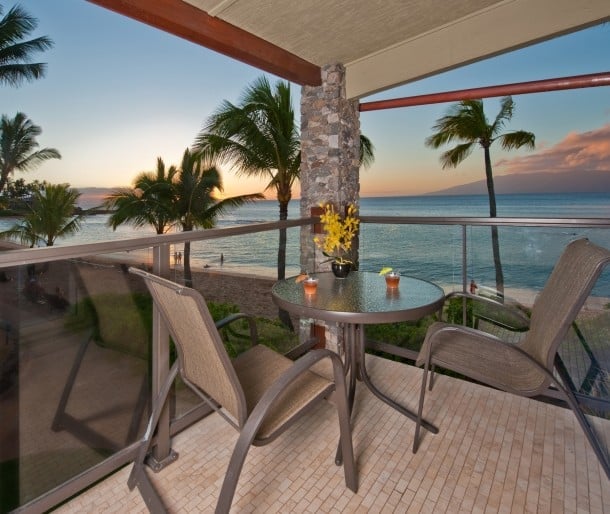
(518, 88)
(190, 23)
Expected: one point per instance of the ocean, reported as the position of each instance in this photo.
(430, 252)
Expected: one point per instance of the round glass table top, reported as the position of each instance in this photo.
(361, 297)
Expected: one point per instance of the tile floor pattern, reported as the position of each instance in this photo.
(495, 453)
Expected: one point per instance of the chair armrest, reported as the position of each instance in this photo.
(234, 317)
(300, 366)
(302, 349)
(493, 362)
(510, 315)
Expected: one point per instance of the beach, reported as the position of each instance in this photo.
(251, 293)
(249, 289)
(428, 251)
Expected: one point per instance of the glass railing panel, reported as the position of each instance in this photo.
(50, 342)
(74, 371)
(254, 254)
(527, 256)
(235, 274)
(430, 252)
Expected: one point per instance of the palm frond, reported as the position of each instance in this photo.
(16, 54)
(451, 158)
(518, 139)
(18, 146)
(367, 151)
(507, 108)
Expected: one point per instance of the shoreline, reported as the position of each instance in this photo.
(226, 283)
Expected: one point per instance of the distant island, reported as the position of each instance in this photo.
(540, 183)
(522, 183)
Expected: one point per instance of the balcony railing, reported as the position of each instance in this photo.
(75, 387)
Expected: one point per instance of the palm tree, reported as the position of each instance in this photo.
(15, 54)
(51, 216)
(18, 147)
(150, 202)
(466, 123)
(260, 138)
(195, 202)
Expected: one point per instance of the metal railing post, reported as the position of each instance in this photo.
(162, 454)
(464, 274)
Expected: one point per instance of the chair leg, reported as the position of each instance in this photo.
(420, 408)
(149, 495)
(236, 464)
(137, 472)
(584, 423)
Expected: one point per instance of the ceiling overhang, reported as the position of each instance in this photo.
(500, 28)
(381, 44)
(193, 24)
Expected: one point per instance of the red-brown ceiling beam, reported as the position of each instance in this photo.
(188, 22)
(519, 88)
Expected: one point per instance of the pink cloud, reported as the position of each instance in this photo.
(585, 151)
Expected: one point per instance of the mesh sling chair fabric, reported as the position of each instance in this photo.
(524, 368)
(260, 393)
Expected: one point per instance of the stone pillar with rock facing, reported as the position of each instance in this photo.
(330, 155)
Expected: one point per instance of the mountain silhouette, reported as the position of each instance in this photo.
(541, 182)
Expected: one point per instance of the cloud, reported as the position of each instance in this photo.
(585, 151)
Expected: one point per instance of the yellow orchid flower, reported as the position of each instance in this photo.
(339, 232)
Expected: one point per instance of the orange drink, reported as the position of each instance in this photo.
(310, 285)
(392, 278)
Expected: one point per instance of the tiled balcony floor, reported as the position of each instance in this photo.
(495, 453)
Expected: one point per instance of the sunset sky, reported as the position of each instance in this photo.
(118, 94)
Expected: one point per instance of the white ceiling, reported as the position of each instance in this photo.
(384, 43)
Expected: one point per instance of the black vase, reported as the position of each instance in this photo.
(341, 270)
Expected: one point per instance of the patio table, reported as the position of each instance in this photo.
(361, 298)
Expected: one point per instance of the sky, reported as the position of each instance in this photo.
(118, 94)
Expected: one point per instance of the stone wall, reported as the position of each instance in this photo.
(252, 294)
(330, 152)
(330, 155)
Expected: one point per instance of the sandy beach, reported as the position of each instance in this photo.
(249, 289)
(250, 292)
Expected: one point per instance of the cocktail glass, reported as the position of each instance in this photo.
(391, 279)
(310, 285)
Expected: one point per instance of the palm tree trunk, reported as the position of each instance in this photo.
(495, 240)
(3, 179)
(188, 276)
(281, 263)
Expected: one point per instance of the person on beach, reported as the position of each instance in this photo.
(473, 287)
(222, 258)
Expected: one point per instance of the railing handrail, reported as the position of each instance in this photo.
(54, 253)
(520, 222)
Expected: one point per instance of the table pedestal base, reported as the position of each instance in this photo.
(356, 370)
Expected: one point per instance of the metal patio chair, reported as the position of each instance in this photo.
(260, 393)
(525, 368)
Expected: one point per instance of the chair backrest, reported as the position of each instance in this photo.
(561, 299)
(203, 358)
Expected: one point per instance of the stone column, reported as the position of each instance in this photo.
(330, 152)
